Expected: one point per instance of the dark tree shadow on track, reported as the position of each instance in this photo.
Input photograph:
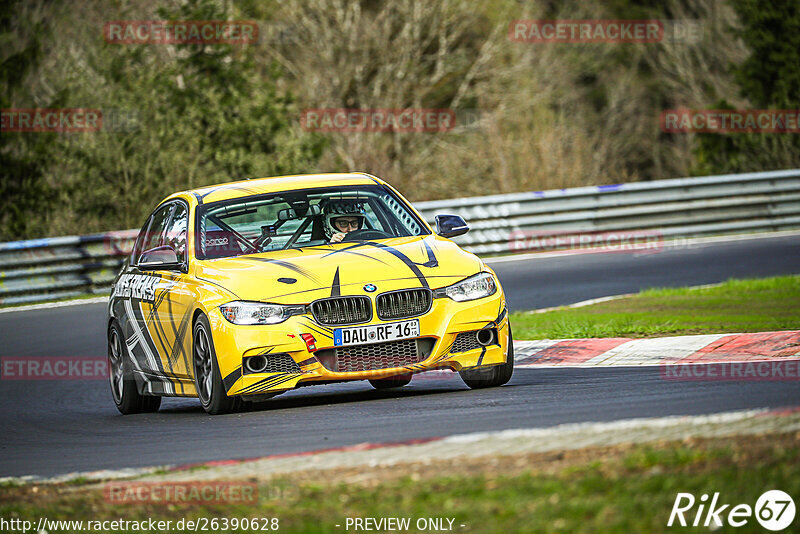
(305, 397)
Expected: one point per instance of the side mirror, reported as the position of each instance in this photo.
(160, 259)
(451, 225)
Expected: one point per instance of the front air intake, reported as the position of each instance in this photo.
(403, 304)
(342, 310)
(376, 356)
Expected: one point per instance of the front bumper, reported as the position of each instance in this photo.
(441, 324)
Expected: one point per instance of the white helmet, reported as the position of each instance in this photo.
(342, 208)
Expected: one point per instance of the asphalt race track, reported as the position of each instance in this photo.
(55, 427)
(557, 281)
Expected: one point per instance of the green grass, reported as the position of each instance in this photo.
(758, 305)
(629, 489)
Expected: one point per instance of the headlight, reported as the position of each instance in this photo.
(475, 287)
(243, 313)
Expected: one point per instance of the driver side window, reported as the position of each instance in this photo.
(155, 230)
(175, 234)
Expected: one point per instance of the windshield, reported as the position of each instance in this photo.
(296, 219)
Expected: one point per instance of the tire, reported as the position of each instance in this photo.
(123, 387)
(207, 378)
(494, 376)
(391, 382)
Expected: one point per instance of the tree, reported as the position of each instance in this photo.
(200, 114)
(24, 193)
(769, 79)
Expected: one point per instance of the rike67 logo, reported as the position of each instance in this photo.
(774, 510)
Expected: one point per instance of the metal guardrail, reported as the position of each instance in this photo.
(735, 203)
(45, 269)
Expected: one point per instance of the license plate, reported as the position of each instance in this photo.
(376, 333)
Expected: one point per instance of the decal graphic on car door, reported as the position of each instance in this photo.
(168, 317)
(137, 289)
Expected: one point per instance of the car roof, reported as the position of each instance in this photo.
(275, 184)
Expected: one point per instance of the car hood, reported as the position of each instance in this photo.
(298, 276)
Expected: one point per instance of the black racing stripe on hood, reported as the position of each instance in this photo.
(432, 261)
(402, 257)
(336, 289)
(349, 250)
(288, 265)
(373, 258)
(346, 249)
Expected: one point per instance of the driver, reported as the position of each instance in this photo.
(342, 217)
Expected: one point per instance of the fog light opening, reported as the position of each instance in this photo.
(256, 364)
(485, 337)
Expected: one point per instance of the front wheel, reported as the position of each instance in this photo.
(494, 376)
(123, 387)
(207, 378)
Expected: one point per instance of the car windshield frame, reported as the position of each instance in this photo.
(202, 210)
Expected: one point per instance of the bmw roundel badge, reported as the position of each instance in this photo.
(370, 288)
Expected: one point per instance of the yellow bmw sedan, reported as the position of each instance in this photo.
(238, 292)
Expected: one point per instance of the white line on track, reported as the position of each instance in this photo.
(48, 305)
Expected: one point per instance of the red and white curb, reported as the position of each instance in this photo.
(699, 349)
